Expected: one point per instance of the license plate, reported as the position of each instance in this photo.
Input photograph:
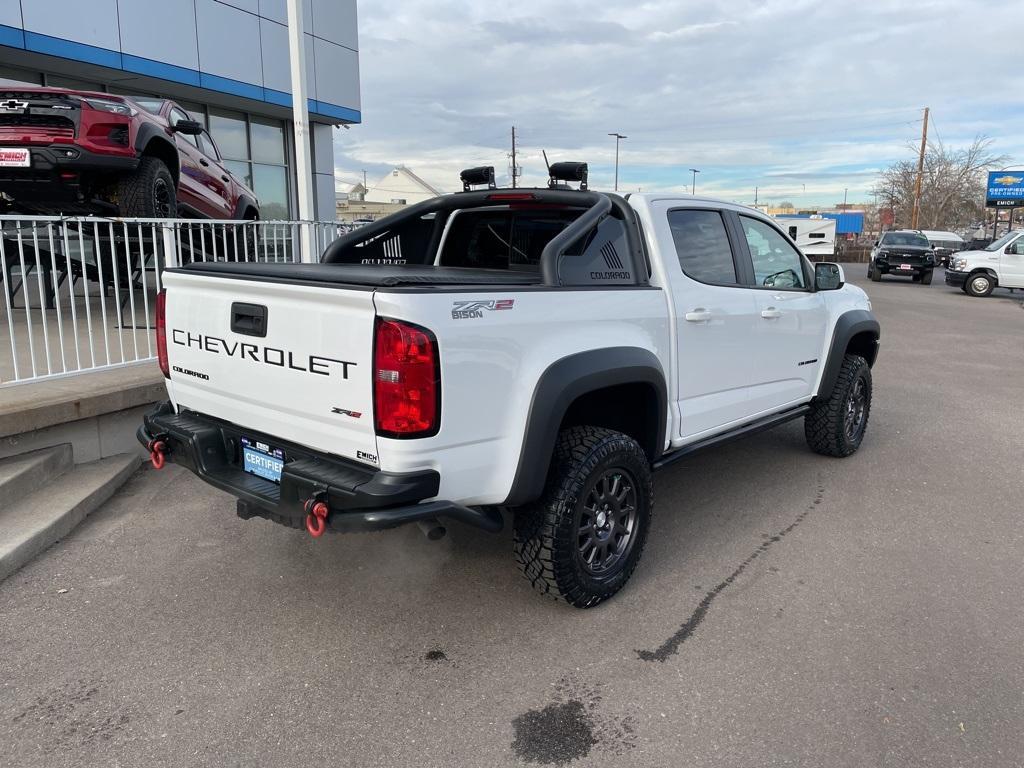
(262, 460)
(905, 266)
(14, 158)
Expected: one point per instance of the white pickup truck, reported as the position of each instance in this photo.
(531, 352)
(977, 273)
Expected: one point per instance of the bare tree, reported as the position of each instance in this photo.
(953, 186)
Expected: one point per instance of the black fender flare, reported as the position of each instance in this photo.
(245, 201)
(987, 270)
(559, 386)
(148, 133)
(848, 325)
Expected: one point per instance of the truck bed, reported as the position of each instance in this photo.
(370, 275)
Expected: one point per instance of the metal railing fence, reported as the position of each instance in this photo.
(78, 293)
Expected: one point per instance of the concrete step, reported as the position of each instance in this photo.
(28, 472)
(47, 515)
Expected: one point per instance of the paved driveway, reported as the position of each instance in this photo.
(790, 609)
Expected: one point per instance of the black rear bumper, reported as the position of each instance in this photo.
(360, 498)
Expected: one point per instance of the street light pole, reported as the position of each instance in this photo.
(618, 137)
(300, 120)
(693, 189)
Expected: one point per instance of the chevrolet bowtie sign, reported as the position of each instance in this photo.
(13, 105)
(1005, 189)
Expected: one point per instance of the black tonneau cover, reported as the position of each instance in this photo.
(375, 275)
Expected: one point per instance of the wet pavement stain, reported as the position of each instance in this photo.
(554, 735)
(570, 727)
(436, 654)
(671, 646)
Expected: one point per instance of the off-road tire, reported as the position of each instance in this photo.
(825, 426)
(926, 278)
(138, 192)
(971, 290)
(875, 274)
(547, 532)
(915, 279)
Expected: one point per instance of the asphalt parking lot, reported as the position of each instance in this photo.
(789, 610)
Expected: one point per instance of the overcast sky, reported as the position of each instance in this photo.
(785, 95)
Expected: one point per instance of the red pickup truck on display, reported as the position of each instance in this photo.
(80, 152)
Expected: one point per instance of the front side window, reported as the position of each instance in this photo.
(1002, 241)
(777, 264)
(702, 246)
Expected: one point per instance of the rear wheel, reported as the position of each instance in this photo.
(149, 192)
(835, 426)
(583, 539)
(979, 284)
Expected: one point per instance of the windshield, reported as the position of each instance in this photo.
(1002, 241)
(905, 238)
(150, 105)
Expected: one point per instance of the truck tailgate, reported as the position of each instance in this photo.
(287, 360)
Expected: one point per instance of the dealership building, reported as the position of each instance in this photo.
(226, 61)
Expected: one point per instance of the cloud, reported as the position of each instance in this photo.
(765, 93)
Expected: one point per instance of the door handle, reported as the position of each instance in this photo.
(225, 179)
(698, 315)
(771, 313)
(203, 163)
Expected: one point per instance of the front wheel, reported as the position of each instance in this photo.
(926, 278)
(875, 274)
(149, 192)
(835, 425)
(582, 540)
(979, 284)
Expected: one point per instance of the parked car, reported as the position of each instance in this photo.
(944, 244)
(531, 350)
(904, 252)
(79, 152)
(978, 273)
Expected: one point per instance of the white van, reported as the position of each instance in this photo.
(977, 273)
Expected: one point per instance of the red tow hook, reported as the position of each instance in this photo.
(316, 517)
(157, 449)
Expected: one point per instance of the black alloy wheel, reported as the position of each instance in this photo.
(606, 522)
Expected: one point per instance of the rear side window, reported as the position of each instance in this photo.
(702, 246)
(502, 239)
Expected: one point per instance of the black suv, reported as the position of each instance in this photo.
(902, 252)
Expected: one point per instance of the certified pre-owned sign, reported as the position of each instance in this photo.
(1005, 189)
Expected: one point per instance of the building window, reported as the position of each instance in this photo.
(254, 150)
(14, 76)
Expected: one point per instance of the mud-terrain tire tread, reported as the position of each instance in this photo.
(823, 425)
(135, 191)
(544, 530)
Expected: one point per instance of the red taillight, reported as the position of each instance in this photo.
(406, 380)
(161, 332)
(498, 197)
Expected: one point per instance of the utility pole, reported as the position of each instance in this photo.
(920, 171)
(515, 168)
(300, 120)
(693, 189)
(755, 197)
(845, 190)
(618, 137)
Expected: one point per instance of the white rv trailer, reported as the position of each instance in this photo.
(814, 235)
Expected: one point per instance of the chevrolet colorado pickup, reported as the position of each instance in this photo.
(536, 351)
(904, 252)
(81, 152)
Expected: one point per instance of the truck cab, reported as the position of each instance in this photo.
(1001, 264)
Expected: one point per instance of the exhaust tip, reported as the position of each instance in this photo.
(432, 529)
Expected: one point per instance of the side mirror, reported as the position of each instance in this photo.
(876, 243)
(189, 127)
(828, 276)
